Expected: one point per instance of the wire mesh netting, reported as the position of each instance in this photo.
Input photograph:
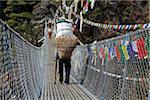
(20, 67)
(115, 74)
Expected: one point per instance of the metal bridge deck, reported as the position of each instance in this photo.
(59, 91)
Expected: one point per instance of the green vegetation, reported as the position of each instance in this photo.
(18, 14)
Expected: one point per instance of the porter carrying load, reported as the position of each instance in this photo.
(65, 40)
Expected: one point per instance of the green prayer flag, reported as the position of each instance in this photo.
(148, 45)
(121, 53)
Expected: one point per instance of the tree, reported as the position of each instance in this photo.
(18, 15)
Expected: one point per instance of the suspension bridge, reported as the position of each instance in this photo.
(27, 72)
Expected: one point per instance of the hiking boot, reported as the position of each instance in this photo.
(67, 82)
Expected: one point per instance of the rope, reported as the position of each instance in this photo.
(21, 66)
(107, 26)
(117, 27)
(127, 79)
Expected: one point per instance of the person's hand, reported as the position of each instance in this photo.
(80, 43)
(74, 28)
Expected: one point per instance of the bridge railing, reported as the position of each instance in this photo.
(21, 67)
(115, 69)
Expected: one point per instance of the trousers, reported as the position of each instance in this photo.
(67, 64)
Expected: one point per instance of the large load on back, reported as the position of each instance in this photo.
(64, 40)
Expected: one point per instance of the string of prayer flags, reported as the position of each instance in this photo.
(93, 58)
(117, 53)
(122, 50)
(105, 26)
(64, 3)
(86, 7)
(109, 50)
(87, 4)
(94, 49)
(76, 6)
(96, 56)
(148, 45)
(117, 27)
(125, 52)
(130, 50)
(81, 21)
(106, 55)
(94, 62)
(134, 46)
(103, 61)
(70, 12)
(89, 50)
(82, 1)
(102, 55)
(92, 4)
(142, 52)
(77, 23)
(122, 58)
(84, 10)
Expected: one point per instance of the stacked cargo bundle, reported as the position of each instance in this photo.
(64, 40)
